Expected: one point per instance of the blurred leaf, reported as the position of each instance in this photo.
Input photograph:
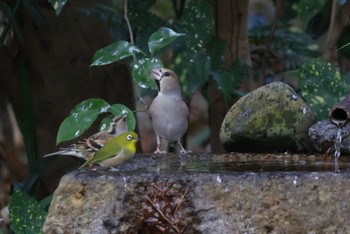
(26, 120)
(308, 9)
(110, 16)
(225, 82)
(318, 23)
(321, 85)
(228, 80)
(36, 13)
(58, 5)
(140, 5)
(216, 48)
(114, 52)
(119, 109)
(26, 214)
(45, 202)
(96, 104)
(141, 72)
(197, 70)
(75, 125)
(144, 21)
(198, 24)
(161, 38)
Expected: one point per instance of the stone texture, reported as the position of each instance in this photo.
(271, 118)
(194, 194)
(323, 134)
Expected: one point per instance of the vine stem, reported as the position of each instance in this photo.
(126, 18)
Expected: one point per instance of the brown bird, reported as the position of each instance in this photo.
(168, 112)
(84, 149)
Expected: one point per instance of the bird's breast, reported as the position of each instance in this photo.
(169, 117)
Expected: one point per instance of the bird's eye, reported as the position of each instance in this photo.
(129, 137)
(167, 74)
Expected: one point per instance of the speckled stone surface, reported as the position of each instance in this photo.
(323, 135)
(188, 195)
(270, 118)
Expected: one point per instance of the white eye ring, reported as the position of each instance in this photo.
(129, 137)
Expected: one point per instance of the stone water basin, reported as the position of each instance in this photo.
(205, 193)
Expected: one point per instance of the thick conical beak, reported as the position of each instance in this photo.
(156, 74)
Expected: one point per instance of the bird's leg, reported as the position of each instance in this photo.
(183, 150)
(158, 151)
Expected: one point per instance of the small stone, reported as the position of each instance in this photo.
(271, 118)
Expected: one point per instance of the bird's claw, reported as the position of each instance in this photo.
(113, 169)
(183, 151)
(158, 151)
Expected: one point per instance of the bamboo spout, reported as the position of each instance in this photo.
(340, 113)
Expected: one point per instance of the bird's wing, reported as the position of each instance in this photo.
(111, 148)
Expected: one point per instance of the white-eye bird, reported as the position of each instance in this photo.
(115, 151)
(168, 112)
(84, 149)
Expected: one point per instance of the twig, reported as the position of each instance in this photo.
(182, 199)
(161, 213)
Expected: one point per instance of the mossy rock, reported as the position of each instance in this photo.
(271, 118)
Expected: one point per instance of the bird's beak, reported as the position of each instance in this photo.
(156, 74)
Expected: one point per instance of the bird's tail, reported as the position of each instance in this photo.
(73, 153)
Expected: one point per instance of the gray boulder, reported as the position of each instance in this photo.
(271, 118)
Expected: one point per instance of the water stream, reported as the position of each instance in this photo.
(337, 145)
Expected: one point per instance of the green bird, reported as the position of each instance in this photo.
(115, 151)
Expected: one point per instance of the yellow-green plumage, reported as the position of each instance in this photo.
(115, 151)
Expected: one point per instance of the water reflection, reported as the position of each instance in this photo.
(270, 163)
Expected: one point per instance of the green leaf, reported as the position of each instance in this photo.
(75, 125)
(161, 38)
(114, 52)
(96, 104)
(321, 85)
(308, 9)
(141, 72)
(58, 5)
(119, 109)
(26, 214)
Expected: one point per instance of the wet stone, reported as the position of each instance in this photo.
(204, 193)
(323, 136)
(271, 118)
